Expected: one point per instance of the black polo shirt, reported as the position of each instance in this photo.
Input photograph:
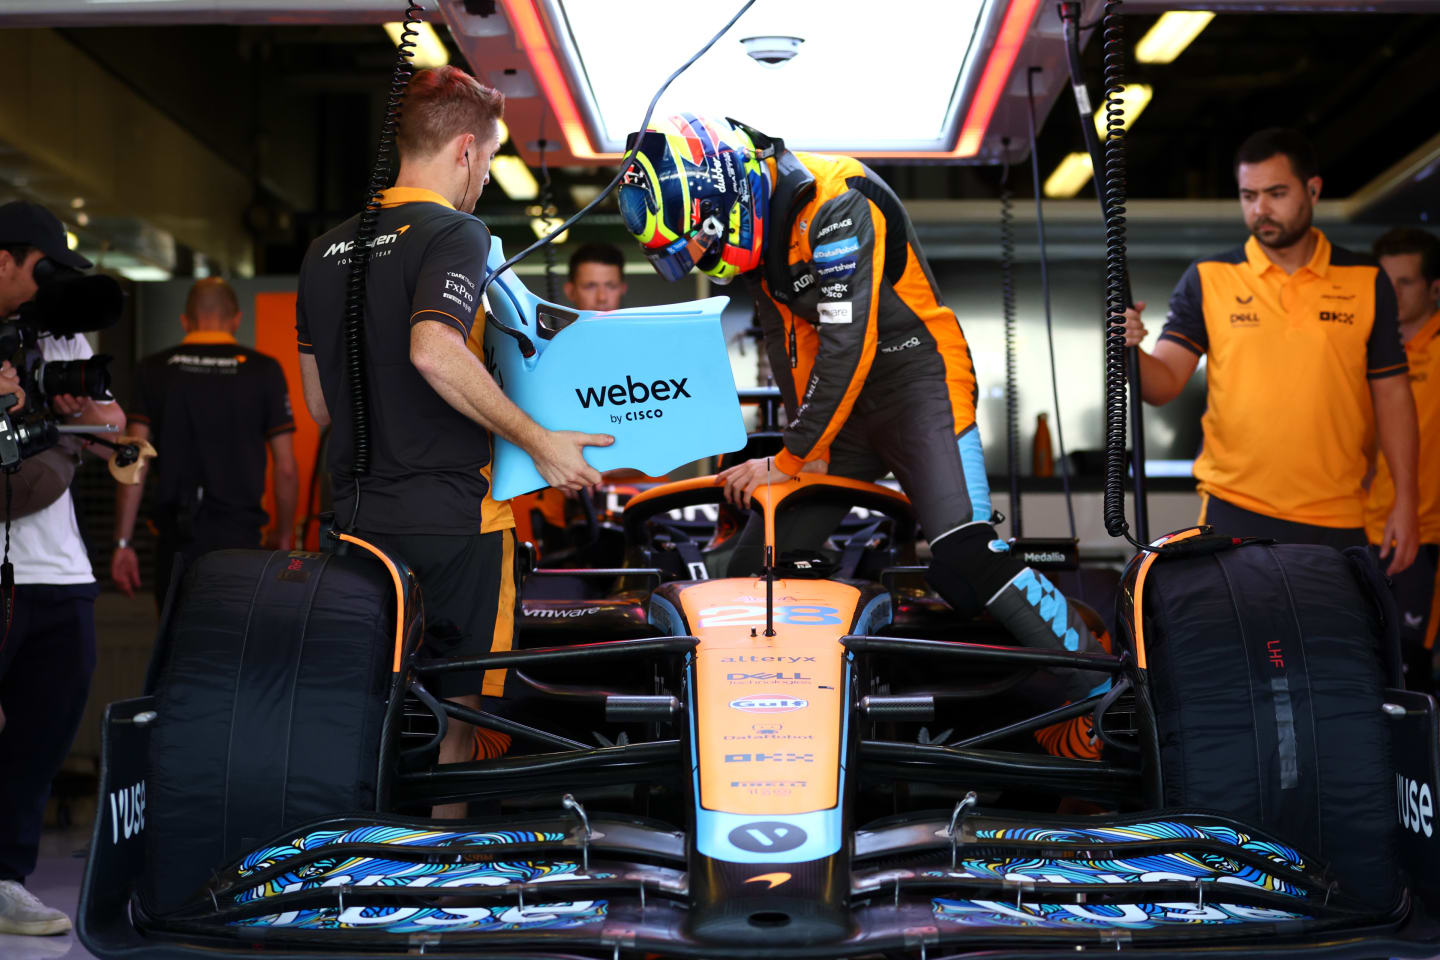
(212, 406)
(428, 462)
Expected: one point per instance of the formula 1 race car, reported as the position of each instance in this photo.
(814, 759)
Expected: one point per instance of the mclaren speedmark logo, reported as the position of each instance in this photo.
(772, 880)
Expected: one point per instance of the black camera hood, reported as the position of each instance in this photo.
(69, 302)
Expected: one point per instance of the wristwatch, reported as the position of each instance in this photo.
(123, 544)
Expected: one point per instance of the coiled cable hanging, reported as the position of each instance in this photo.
(1117, 280)
(527, 348)
(1121, 363)
(381, 175)
(547, 210)
(1045, 296)
(1007, 308)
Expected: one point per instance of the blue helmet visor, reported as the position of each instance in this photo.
(636, 205)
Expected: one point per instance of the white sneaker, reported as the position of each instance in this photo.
(21, 912)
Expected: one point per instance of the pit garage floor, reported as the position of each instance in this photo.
(125, 631)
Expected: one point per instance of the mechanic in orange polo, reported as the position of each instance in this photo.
(1305, 366)
(873, 367)
(1411, 259)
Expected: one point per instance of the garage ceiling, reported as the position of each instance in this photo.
(287, 95)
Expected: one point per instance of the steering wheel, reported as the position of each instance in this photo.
(813, 488)
(641, 513)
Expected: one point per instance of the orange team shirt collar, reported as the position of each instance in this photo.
(208, 336)
(1426, 333)
(1319, 260)
(397, 195)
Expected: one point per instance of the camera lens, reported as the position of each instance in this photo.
(80, 378)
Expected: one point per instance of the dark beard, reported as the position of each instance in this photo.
(1287, 238)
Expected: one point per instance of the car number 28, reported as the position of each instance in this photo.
(743, 615)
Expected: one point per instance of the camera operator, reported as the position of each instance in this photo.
(47, 649)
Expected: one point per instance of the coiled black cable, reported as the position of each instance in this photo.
(547, 210)
(355, 292)
(1117, 279)
(1007, 308)
(1122, 364)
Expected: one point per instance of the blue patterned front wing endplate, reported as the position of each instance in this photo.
(314, 869)
(1128, 916)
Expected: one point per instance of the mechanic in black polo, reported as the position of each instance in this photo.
(212, 408)
(432, 404)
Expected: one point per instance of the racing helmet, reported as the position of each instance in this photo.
(696, 195)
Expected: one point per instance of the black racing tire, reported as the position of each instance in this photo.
(274, 674)
(1265, 671)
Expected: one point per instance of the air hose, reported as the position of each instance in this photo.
(1117, 280)
(355, 292)
(527, 347)
(1045, 296)
(1007, 307)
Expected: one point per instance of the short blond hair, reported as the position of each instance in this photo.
(444, 103)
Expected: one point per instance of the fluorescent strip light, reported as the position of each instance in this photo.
(142, 272)
(997, 71)
(1135, 97)
(525, 21)
(1172, 33)
(514, 177)
(543, 225)
(1072, 174)
(504, 130)
(429, 49)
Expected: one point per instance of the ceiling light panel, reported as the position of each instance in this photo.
(514, 177)
(1067, 179)
(858, 81)
(429, 50)
(1134, 98)
(1171, 34)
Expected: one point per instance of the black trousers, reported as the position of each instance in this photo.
(1235, 521)
(45, 665)
(204, 533)
(908, 429)
(471, 600)
(1414, 590)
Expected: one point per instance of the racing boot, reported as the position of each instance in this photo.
(1039, 615)
(972, 563)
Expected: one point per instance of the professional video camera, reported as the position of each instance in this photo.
(68, 303)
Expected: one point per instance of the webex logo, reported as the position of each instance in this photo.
(634, 391)
(620, 393)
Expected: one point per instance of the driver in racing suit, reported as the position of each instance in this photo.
(875, 371)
